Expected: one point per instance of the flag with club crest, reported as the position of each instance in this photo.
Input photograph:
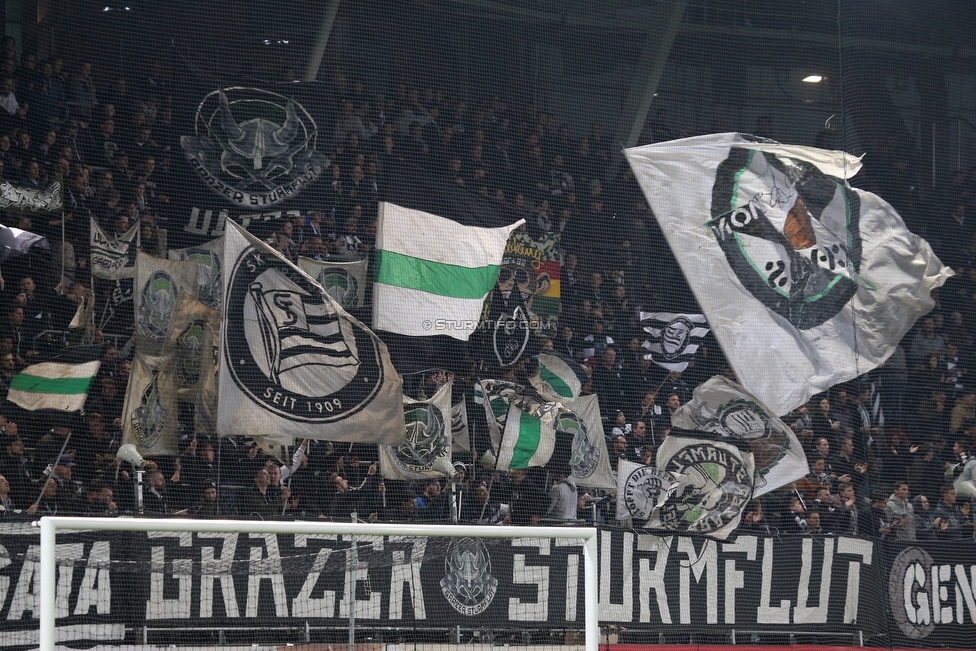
(209, 270)
(805, 281)
(113, 258)
(157, 285)
(426, 448)
(151, 412)
(193, 331)
(589, 458)
(722, 410)
(460, 434)
(293, 361)
(673, 339)
(345, 282)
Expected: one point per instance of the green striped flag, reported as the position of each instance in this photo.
(433, 273)
(527, 441)
(561, 375)
(53, 385)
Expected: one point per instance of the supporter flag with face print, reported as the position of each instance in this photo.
(673, 339)
(805, 281)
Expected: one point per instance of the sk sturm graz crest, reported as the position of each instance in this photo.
(468, 584)
(341, 285)
(584, 457)
(156, 310)
(209, 281)
(511, 336)
(675, 337)
(427, 438)
(289, 350)
(149, 417)
(646, 489)
(790, 233)
(714, 484)
(254, 147)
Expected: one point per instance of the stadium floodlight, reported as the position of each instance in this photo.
(468, 536)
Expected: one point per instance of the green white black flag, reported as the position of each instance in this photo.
(723, 410)
(151, 411)
(524, 421)
(52, 385)
(426, 448)
(345, 282)
(209, 277)
(293, 361)
(158, 284)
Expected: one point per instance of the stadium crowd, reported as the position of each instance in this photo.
(885, 451)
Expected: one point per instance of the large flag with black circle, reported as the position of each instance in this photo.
(805, 281)
(293, 361)
(426, 448)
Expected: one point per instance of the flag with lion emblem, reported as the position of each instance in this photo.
(805, 280)
(426, 448)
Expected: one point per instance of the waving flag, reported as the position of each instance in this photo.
(209, 266)
(438, 252)
(560, 375)
(522, 422)
(722, 410)
(293, 361)
(673, 338)
(157, 286)
(345, 282)
(805, 281)
(52, 385)
(111, 257)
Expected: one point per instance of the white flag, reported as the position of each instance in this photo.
(345, 282)
(193, 330)
(589, 459)
(642, 491)
(460, 434)
(158, 284)
(805, 281)
(113, 258)
(722, 408)
(715, 482)
(209, 271)
(426, 448)
(293, 361)
(151, 412)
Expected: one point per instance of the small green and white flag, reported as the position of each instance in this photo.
(561, 375)
(526, 422)
(433, 273)
(53, 385)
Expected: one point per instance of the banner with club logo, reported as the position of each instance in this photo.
(210, 278)
(295, 362)
(113, 258)
(589, 459)
(426, 448)
(158, 284)
(642, 491)
(345, 282)
(674, 338)
(32, 200)
(194, 329)
(460, 434)
(722, 409)
(805, 281)
(715, 482)
(150, 415)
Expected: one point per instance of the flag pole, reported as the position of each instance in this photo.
(54, 465)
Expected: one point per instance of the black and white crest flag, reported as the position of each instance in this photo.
(673, 339)
(294, 362)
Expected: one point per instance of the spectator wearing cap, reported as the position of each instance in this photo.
(208, 506)
(97, 500)
(50, 445)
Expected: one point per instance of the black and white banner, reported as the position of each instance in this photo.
(646, 581)
(673, 338)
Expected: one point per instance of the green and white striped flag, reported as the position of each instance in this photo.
(53, 385)
(525, 421)
(433, 273)
(560, 376)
